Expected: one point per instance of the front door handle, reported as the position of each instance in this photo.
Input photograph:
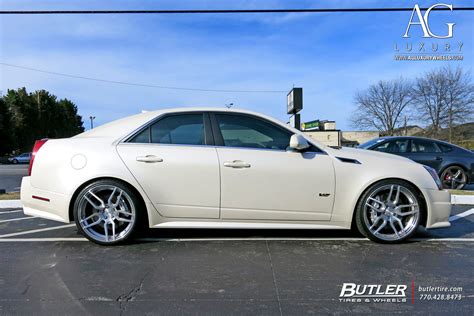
(236, 164)
(149, 159)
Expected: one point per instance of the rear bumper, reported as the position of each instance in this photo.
(45, 204)
(438, 203)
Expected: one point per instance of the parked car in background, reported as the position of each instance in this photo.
(454, 164)
(225, 168)
(22, 158)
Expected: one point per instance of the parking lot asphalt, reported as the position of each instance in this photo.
(10, 176)
(48, 268)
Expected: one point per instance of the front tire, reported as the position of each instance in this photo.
(14, 161)
(107, 212)
(389, 211)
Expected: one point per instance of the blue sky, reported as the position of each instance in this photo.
(331, 56)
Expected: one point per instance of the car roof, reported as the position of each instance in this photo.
(421, 138)
(413, 137)
(124, 126)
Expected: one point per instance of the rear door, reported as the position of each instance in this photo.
(175, 163)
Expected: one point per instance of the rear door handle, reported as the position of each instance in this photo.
(236, 164)
(149, 159)
(439, 158)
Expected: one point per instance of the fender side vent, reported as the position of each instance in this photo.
(349, 160)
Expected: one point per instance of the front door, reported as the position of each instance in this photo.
(426, 152)
(262, 180)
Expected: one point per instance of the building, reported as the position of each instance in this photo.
(355, 138)
(325, 132)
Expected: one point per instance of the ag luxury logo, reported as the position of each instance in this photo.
(423, 21)
(435, 49)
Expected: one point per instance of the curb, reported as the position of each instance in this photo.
(462, 199)
(11, 204)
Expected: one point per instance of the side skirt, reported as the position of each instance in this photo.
(245, 225)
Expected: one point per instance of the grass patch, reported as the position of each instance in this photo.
(10, 196)
(461, 192)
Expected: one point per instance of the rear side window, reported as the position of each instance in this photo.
(186, 129)
(445, 148)
(250, 132)
(424, 146)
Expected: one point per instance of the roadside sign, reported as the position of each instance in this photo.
(310, 125)
(295, 100)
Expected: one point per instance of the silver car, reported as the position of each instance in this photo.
(22, 158)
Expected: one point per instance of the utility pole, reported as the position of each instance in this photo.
(450, 124)
(92, 121)
(406, 129)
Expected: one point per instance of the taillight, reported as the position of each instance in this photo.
(36, 147)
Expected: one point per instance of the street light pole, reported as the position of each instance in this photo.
(92, 121)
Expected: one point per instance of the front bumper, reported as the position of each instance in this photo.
(438, 203)
(44, 204)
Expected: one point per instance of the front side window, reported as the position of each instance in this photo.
(424, 146)
(393, 146)
(185, 129)
(250, 132)
(382, 147)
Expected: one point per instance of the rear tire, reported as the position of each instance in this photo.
(107, 212)
(14, 161)
(389, 211)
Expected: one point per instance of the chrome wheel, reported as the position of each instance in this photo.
(453, 178)
(391, 212)
(106, 213)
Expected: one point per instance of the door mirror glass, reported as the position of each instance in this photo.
(298, 142)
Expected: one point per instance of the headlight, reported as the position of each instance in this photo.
(435, 176)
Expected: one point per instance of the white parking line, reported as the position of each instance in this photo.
(230, 239)
(461, 215)
(8, 212)
(41, 239)
(16, 219)
(36, 230)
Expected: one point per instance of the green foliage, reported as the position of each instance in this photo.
(26, 117)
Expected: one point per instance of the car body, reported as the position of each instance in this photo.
(454, 164)
(22, 158)
(223, 168)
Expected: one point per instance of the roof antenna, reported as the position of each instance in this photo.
(229, 105)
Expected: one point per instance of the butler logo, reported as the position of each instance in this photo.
(377, 293)
(423, 20)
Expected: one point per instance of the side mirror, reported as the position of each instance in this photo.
(298, 142)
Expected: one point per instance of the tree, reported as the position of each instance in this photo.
(459, 97)
(444, 97)
(32, 116)
(7, 143)
(382, 106)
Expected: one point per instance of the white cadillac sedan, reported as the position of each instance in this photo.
(220, 168)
